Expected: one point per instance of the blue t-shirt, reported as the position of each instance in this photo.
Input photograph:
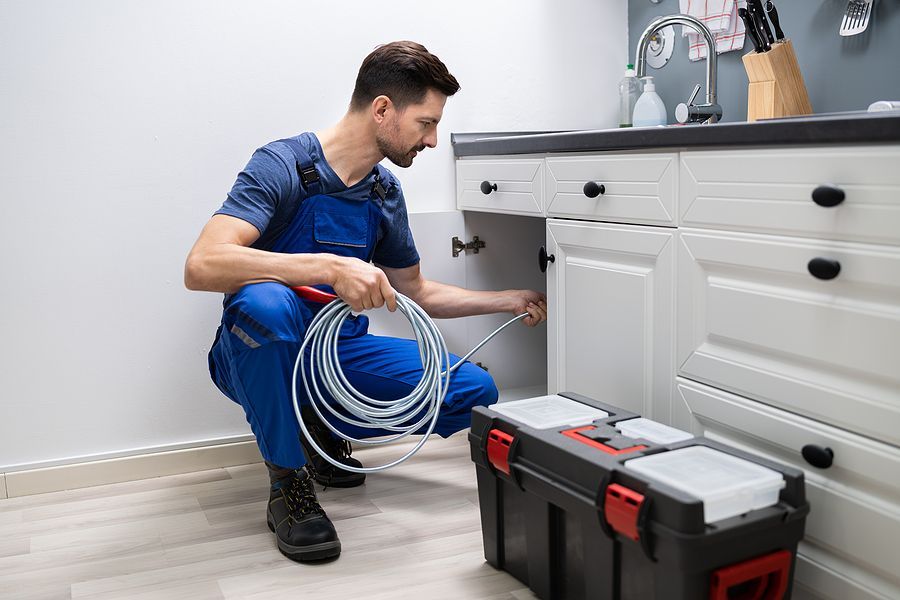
(270, 181)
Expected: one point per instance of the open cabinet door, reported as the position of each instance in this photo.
(432, 232)
(517, 357)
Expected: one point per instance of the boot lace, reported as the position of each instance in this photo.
(337, 448)
(300, 496)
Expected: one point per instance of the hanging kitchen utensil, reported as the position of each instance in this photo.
(856, 17)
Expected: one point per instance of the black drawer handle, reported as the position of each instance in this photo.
(828, 195)
(487, 187)
(824, 268)
(544, 258)
(592, 189)
(818, 456)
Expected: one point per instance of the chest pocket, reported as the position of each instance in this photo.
(337, 229)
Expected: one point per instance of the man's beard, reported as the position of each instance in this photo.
(392, 151)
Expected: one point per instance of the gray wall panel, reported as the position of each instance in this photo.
(841, 74)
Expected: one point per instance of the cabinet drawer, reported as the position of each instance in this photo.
(520, 185)
(752, 320)
(638, 188)
(854, 521)
(771, 191)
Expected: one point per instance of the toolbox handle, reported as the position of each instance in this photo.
(761, 578)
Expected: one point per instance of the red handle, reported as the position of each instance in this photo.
(314, 295)
(761, 578)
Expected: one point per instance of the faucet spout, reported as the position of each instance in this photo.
(715, 111)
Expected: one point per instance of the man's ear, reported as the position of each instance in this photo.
(381, 105)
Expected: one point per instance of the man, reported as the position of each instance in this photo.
(318, 209)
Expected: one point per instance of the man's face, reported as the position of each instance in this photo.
(403, 134)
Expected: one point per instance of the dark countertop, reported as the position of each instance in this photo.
(840, 128)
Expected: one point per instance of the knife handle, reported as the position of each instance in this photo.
(751, 30)
(773, 16)
(762, 23)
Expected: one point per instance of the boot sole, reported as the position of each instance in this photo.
(306, 553)
(339, 483)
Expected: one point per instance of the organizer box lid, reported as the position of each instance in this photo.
(546, 412)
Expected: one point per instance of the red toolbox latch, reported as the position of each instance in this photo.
(498, 446)
(761, 578)
(621, 508)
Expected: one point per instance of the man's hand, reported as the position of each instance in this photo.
(534, 303)
(362, 285)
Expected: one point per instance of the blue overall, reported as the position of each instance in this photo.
(263, 325)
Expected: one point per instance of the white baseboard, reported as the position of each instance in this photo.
(127, 468)
(155, 464)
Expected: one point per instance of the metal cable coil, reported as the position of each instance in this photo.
(404, 416)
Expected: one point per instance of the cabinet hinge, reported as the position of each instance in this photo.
(458, 246)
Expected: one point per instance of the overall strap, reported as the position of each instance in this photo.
(306, 168)
(287, 208)
(383, 183)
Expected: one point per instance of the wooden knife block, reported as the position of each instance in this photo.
(776, 84)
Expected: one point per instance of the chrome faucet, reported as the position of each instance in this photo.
(710, 112)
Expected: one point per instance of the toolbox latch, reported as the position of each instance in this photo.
(621, 508)
(498, 446)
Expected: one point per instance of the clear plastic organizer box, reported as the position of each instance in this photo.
(727, 485)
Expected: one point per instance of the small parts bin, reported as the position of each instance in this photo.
(581, 500)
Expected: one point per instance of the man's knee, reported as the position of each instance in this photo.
(489, 393)
(477, 387)
(271, 311)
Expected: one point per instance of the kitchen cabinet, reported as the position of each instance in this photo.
(514, 186)
(843, 193)
(788, 337)
(754, 321)
(610, 319)
(629, 188)
(752, 296)
(850, 544)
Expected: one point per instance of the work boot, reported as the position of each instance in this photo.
(321, 470)
(302, 529)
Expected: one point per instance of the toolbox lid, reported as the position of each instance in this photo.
(652, 431)
(727, 485)
(546, 412)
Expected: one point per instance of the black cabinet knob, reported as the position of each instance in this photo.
(824, 268)
(818, 456)
(544, 258)
(487, 187)
(828, 195)
(592, 189)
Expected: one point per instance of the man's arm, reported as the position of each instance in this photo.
(222, 261)
(442, 301)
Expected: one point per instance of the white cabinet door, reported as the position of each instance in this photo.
(512, 186)
(611, 302)
(754, 321)
(776, 191)
(850, 544)
(636, 188)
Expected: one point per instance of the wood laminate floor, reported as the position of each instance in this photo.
(413, 531)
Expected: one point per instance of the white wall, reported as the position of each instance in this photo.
(123, 124)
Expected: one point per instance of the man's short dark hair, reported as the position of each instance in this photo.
(402, 71)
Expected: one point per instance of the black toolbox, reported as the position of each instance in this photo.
(562, 512)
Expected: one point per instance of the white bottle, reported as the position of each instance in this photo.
(629, 90)
(649, 110)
